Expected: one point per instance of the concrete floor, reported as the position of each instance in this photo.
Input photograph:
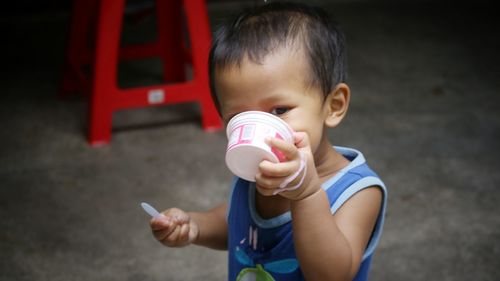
(426, 92)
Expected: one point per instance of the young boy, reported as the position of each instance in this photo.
(288, 60)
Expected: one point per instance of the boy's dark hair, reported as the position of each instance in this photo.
(257, 33)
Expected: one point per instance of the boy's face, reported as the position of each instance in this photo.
(278, 86)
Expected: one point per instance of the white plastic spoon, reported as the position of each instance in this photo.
(150, 210)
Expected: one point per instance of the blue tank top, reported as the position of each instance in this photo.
(262, 249)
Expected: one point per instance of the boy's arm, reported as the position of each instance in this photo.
(212, 227)
(330, 247)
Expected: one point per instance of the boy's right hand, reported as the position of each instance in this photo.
(174, 228)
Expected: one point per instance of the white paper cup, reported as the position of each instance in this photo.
(246, 147)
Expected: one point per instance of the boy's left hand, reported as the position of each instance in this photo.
(272, 175)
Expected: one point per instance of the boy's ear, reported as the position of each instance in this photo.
(336, 104)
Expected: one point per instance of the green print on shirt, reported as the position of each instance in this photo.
(256, 273)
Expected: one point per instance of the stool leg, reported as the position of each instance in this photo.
(104, 88)
(170, 39)
(200, 36)
(78, 53)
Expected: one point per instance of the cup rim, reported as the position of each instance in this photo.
(276, 122)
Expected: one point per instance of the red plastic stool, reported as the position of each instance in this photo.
(106, 97)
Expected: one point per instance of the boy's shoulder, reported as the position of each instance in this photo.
(357, 175)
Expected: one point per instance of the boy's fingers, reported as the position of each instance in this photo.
(264, 191)
(288, 149)
(183, 233)
(301, 139)
(282, 169)
(161, 222)
(171, 239)
(181, 217)
(267, 186)
(175, 216)
(171, 227)
(174, 213)
(162, 233)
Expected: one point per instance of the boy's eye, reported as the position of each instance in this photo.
(279, 110)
